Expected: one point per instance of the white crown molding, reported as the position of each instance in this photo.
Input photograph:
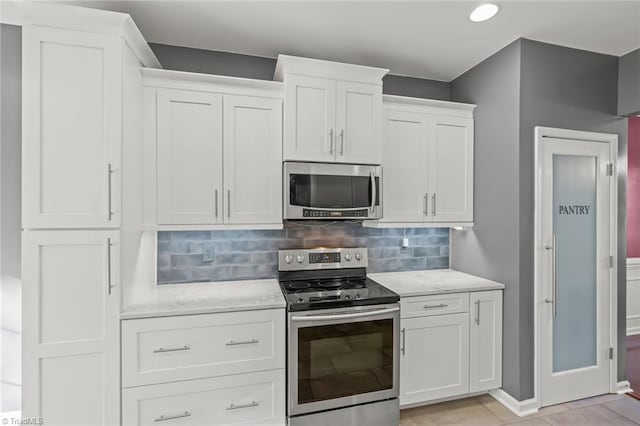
(429, 106)
(210, 83)
(520, 408)
(80, 19)
(318, 68)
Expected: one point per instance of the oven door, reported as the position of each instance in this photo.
(332, 191)
(342, 357)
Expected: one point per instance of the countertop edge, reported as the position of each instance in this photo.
(487, 287)
(170, 312)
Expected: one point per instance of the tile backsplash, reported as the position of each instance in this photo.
(188, 256)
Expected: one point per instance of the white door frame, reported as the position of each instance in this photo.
(612, 140)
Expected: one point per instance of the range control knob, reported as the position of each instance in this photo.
(288, 258)
(357, 295)
(347, 257)
(358, 256)
(347, 297)
(300, 258)
(300, 300)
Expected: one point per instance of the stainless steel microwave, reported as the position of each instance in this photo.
(332, 191)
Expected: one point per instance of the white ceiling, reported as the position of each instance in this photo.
(428, 39)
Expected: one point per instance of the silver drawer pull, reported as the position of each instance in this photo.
(162, 418)
(442, 305)
(241, 342)
(249, 405)
(182, 348)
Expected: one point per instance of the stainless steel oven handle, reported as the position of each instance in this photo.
(374, 192)
(345, 316)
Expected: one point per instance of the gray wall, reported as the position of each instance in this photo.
(237, 65)
(10, 222)
(570, 89)
(530, 84)
(490, 249)
(629, 84)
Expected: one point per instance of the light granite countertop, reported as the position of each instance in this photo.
(437, 281)
(209, 297)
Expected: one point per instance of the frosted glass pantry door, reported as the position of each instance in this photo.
(576, 271)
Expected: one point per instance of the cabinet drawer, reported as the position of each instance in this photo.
(252, 398)
(437, 304)
(157, 350)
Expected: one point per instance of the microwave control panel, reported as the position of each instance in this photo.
(335, 213)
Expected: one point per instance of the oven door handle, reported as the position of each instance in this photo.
(345, 316)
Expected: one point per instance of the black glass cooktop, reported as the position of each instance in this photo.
(332, 289)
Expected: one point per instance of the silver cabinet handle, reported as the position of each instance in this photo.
(235, 407)
(109, 283)
(163, 417)
(441, 305)
(426, 202)
(163, 349)
(228, 203)
(242, 342)
(216, 196)
(342, 142)
(331, 142)
(109, 201)
(404, 341)
(374, 192)
(478, 312)
(333, 317)
(554, 274)
(433, 204)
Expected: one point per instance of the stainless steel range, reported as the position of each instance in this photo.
(343, 340)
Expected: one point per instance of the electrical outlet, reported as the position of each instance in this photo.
(207, 254)
(405, 243)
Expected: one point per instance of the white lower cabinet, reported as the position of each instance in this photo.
(71, 293)
(436, 357)
(252, 398)
(216, 369)
(486, 341)
(451, 345)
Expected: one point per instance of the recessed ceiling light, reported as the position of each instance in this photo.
(484, 12)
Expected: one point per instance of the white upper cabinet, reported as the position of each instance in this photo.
(405, 178)
(71, 129)
(252, 160)
(427, 162)
(189, 157)
(451, 169)
(213, 151)
(359, 108)
(332, 111)
(310, 112)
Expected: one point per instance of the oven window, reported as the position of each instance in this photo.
(344, 359)
(331, 192)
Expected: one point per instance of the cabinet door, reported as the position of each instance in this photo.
(435, 358)
(486, 341)
(404, 183)
(189, 153)
(71, 349)
(358, 123)
(310, 113)
(71, 129)
(451, 170)
(252, 160)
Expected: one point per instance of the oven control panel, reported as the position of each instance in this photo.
(322, 258)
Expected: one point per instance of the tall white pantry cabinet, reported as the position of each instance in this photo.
(82, 106)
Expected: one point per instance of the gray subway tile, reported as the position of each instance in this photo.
(264, 257)
(426, 251)
(232, 258)
(437, 262)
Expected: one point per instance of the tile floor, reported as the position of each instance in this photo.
(483, 410)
